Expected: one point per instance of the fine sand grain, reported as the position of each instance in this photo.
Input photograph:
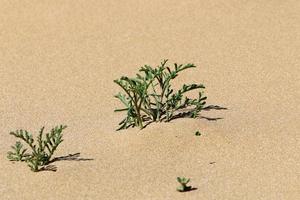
(58, 60)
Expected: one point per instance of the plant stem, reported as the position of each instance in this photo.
(137, 110)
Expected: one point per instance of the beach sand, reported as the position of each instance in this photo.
(58, 60)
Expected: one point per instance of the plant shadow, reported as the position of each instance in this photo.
(189, 190)
(213, 107)
(70, 157)
(187, 114)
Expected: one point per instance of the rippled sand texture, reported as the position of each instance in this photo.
(58, 60)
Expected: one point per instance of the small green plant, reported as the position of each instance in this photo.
(183, 184)
(18, 154)
(41, 151)
(150, 97)
(198, 133)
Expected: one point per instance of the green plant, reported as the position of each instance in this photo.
(150, 97)
(183, 184)
(18, 154)
(42, 150)
(197, 133)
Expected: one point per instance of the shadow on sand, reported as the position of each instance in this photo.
(187, 113)
(70, 157)
(207, 108)
(213, 107)
(189, 190)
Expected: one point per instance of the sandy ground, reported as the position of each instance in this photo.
(57, 63)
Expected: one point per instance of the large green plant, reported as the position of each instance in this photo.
(41, 151)
(150, 97)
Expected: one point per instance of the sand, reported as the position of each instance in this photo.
(58, 60)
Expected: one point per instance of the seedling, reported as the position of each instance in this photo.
(42, 150)
(183, 184)
(150, 97)
(198, 133)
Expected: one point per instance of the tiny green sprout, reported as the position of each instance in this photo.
(183, 184)
(197, 133)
